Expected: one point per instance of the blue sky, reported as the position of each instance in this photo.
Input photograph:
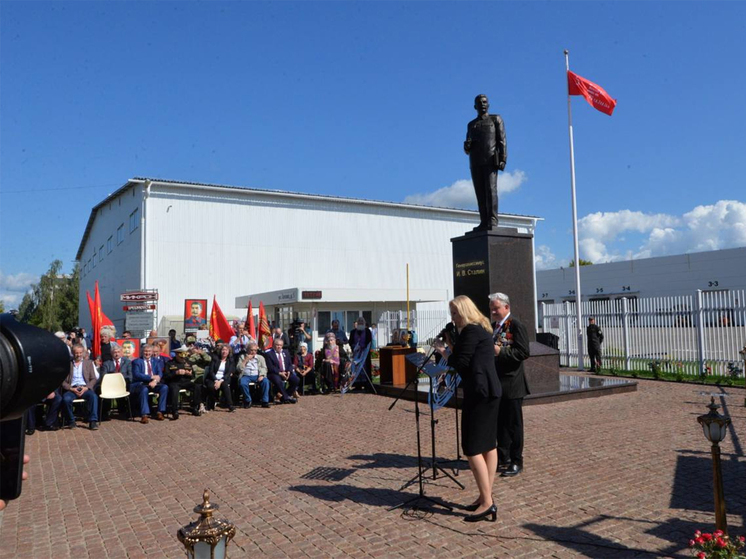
(371, 100)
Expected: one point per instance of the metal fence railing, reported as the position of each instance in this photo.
(426, 323)
(694, 334)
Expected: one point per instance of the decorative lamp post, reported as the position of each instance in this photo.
(715, 426)
(208, 537)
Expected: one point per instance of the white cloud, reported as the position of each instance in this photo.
(461, 193)
(544, 258)
(13, 287)
(717, 226)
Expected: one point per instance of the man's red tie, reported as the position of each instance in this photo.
(117, 365)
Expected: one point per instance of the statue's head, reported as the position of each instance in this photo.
(481, 103)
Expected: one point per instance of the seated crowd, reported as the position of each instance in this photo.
(207, 373)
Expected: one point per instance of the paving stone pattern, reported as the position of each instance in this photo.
(618, 476)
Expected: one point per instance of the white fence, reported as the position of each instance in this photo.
(695, 334)
(426, 324)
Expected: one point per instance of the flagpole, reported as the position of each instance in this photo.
(579, 318)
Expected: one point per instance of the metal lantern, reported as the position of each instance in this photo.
(208, 537)
(715, 426)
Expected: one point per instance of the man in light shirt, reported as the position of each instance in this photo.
(80, 384)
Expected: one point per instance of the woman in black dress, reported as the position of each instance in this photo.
(473, 358)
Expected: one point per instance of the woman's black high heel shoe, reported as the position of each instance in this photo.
(492, 511)
(472, 508)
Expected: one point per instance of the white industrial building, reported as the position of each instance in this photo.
(193, 241)
(664, 276)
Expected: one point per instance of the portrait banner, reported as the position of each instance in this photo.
(130, 347)
(195, 315)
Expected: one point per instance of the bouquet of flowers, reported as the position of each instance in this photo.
(716, 545)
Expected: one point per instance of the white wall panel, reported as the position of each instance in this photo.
(120, 269)
(650, 277)
(203, 241)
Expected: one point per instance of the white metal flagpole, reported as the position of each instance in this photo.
(579, 318)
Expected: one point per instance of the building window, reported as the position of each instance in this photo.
(325, 321)
(120, 234)
(134, 220)
(101, 253)
(110, 244)
(94, 258)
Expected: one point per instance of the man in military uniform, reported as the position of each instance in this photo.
(198, 357)
(178, 375)
(488, 152)
(595, 339)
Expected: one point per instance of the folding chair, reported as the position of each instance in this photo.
(113, 387)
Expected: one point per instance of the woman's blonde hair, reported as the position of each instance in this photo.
(470, 313)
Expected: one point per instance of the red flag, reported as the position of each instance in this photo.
(219, 326)
(265, 334)
(250, 322)
(594, 94)
(91, 309)
(103, 320)
(99, 320)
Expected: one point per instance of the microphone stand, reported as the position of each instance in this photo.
(421, 494)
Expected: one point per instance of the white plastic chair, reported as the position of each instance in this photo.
(113, 387)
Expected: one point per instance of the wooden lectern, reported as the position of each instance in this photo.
(395, 369)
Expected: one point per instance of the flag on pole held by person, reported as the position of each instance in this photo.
(91, 309)
(265, 334)
(220, 328)
(250, 327)
(99, 321)
(593, 93)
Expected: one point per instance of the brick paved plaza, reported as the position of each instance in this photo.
(618, 476)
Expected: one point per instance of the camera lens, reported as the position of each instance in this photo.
(33, 362)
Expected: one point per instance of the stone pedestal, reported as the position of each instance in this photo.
(498, 260)
(502, 260)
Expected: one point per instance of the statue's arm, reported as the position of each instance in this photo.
(467, 143)
(502, 143)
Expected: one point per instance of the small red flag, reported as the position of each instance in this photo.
(265, 334)
(91, 309)
(103, 320)
(594, 94)
(219, 326)
(250, 322)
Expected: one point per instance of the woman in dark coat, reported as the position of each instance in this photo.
(473, 358)
(218, 378)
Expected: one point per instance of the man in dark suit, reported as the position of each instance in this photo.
(118, 364)
(595, 339)
(280, 369)
(147, 373)
(511, 349)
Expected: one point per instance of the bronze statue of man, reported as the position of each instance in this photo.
(488, 152)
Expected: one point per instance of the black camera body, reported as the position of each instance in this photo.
(33, 363)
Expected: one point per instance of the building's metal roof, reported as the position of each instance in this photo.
(140, 180)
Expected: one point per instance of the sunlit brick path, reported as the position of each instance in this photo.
(619, 476)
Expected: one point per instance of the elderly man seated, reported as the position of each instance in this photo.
(179, 375)
(80, 384)
(280, 370)
(118, 364)
(147, 373)
(253, 368)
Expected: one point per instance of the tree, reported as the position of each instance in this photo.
(53, 302)
(582, 262)
(2, 306)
